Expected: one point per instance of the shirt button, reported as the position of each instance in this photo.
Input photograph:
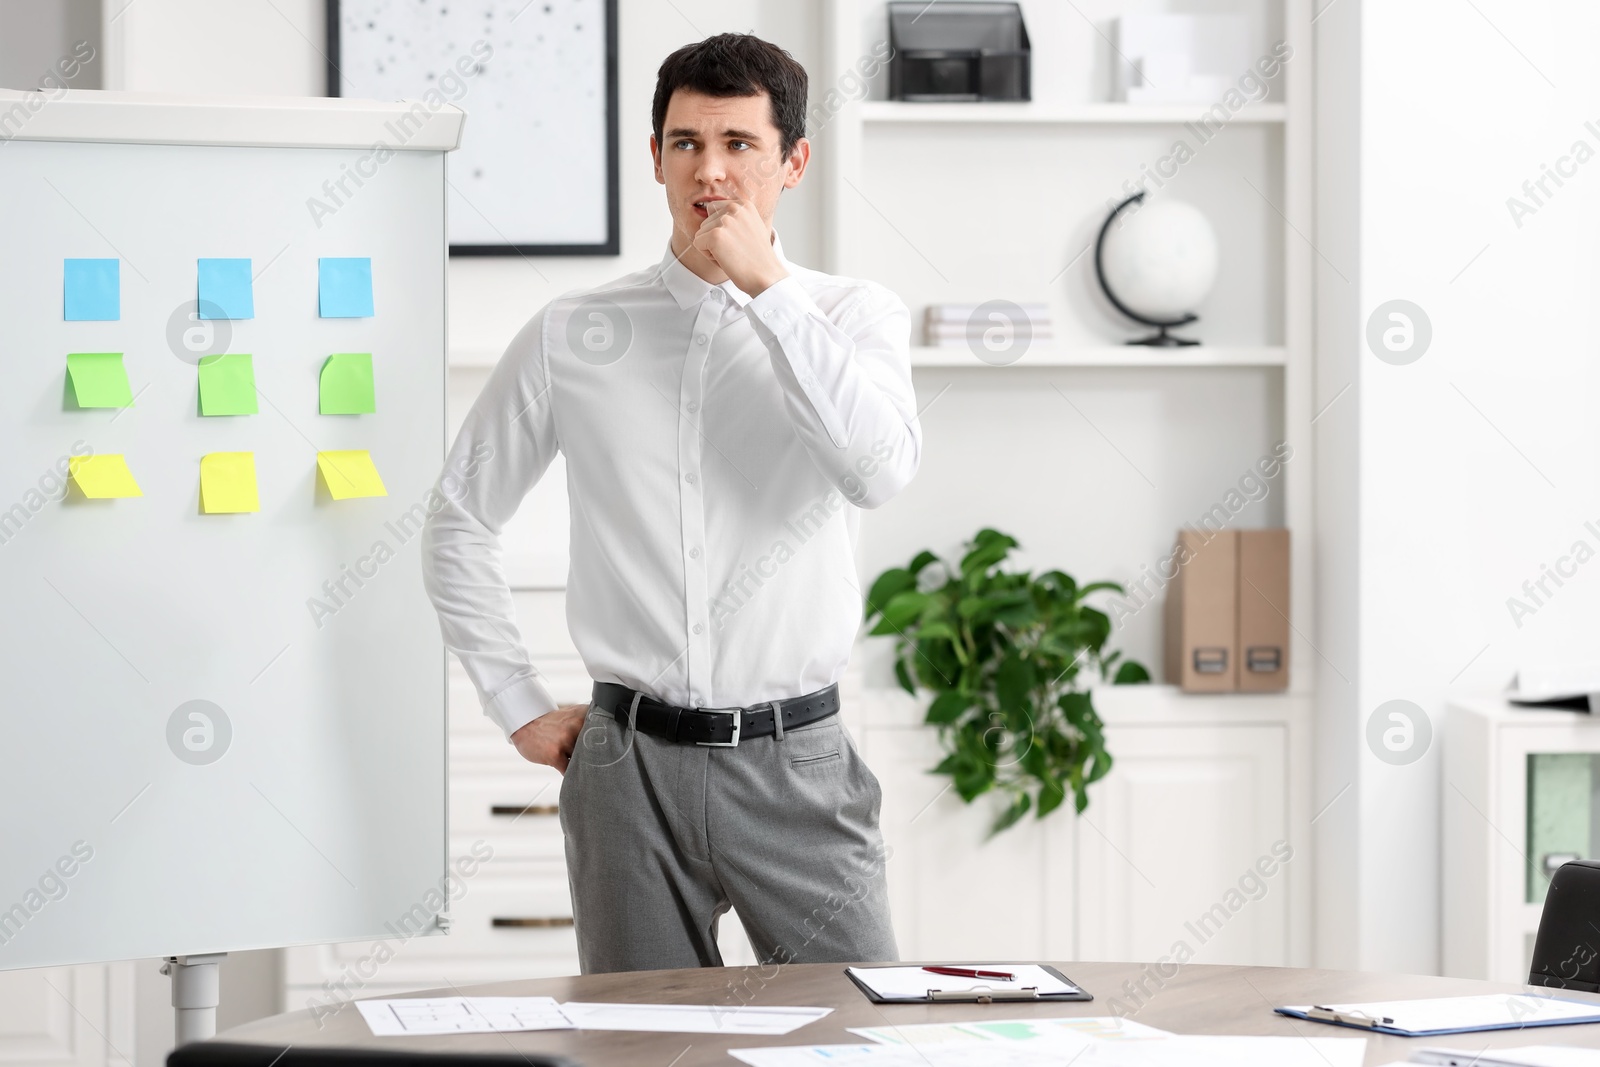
(694, 405)
(768, 314)
(700, 340)
(698, 627)
(689, 478)
(694, 553)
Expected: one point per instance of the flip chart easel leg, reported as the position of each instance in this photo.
(196, 990)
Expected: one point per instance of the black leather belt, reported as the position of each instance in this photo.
(724, 727)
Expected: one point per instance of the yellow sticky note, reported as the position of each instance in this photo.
(228, 483)
(350, 473)
(102, 477)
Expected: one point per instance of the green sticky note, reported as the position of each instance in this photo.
(346, 384)
(99, 380)
(227, 384)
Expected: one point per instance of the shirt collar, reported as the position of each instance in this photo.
(688, 288)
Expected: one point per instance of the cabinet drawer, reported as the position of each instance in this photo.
(520, 909)
(515, 814)
(513, 920)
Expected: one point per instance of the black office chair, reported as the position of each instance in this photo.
(1566, 953)
(239, 1054)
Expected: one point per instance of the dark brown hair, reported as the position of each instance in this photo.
(737, 64)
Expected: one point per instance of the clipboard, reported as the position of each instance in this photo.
(992, 992)
(1572, 1012)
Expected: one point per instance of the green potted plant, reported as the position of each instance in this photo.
(1009, 657)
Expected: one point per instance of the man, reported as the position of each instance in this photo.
(723, 415)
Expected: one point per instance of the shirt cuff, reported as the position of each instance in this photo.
(519, 704)
(781, 305)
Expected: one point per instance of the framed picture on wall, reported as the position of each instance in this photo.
(536, 173)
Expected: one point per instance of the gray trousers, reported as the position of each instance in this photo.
(662, 838)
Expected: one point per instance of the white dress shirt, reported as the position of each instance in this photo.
(714, 467)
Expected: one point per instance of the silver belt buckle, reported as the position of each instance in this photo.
(737, 714)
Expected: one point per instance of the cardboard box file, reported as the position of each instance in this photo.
(1263, 604)
(1201, 617)
(1227, 612)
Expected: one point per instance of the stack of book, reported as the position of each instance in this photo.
(949, 325)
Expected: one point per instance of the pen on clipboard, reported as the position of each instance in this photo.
(969, 972)
(1352, 1018)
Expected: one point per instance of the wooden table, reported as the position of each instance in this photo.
(1198, 999)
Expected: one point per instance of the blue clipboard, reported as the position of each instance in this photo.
(1358, 1021)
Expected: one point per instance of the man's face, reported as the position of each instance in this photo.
(722, 148)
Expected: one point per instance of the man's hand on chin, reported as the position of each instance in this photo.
(551, 737)
(735, 237)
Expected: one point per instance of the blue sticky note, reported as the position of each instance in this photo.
(344, 288)
(225, 291)
(92, 290)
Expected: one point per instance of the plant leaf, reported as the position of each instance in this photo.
(1051, 794)
(891, 582)
(1019, 808)
(901, 609)
(1131, 673)
(947, 707)
(972, 785)
(1013, 681)
(983, 557)
(1100, 768)
(903, 676)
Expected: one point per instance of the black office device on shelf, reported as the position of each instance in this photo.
(958, 51)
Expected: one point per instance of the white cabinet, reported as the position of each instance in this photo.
(951, 895)
(1488, 861)
(1191, 838)
(1169, 846)
(67, 1016)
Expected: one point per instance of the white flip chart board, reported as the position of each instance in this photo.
(195, 757)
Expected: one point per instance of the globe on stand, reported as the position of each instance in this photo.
(1158, 265)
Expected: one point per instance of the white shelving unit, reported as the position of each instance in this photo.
(1488, 922)
(885, 111)
(849, 133)
(1241, 760)
(1125, 356)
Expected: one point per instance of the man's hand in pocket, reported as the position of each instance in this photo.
(550, 738)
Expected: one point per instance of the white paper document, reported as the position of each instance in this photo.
(1468, 1013)
(963, 1054)
(1522, 1056)
(1172, 1051)
(461, 1015)
(690, 1018)
(1100, 1027)
(1209, 1050)
(913, 983)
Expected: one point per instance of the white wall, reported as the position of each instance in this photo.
(35, 35)
(1473, 466)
